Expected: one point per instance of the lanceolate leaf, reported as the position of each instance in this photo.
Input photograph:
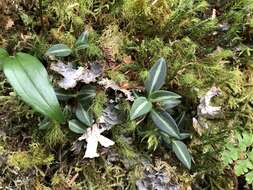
(64, 95)
(29, 78)
(166, 123)
(45, 124)
(83, 39)
(59, 50)
(163, 95)
(156, 77)
(83, 115)
(140, 107)
(168, 104)
(76, 126)
(87, 93)
(182, 153)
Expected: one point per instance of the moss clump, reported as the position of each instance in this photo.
(35, 156)
(117, 76)
(54, 135)
(98, 103)
(113, 40)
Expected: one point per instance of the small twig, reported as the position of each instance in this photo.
(72, 180)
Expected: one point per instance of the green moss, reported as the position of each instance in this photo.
(54, 135)
(113, 39)
(116, 76)
(98, 103)
(35, 156)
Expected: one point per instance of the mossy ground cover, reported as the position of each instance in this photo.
(205, 44)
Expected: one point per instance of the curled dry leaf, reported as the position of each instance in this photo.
(106, 83)
(207, 111)
(111, 116)
(93, 137)
(72, 76)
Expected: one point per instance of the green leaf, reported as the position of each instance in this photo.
(184, 136)
(156, 77)
(76, 126)
(230, 154)
(64, 95)
(45, 124)
(243, 166)
(82, 39)
(166, 123)
(245, 140)
(182, 153)
(29, 78)
(169, 104)
(140, 107)
(59, 50)
(250, 155)
(249, 177)
(163, 96)
(3, 54)
(83, 115)
(87, 93)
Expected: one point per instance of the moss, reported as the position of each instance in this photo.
(35, 156)
(63, 37)
(113, 39)
(54, 135)
(98, 103)
(39, 186)
(117, 76)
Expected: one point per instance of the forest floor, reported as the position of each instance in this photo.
(206, 44)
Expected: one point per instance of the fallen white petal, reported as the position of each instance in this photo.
(91, 150)
(93, 137)
(105, 141)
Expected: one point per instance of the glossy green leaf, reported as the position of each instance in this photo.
(163, 95)
(45, 124)
(87, 93)
(29, 78)
(83, 115)
(76, 126)
(82, 39)
(184, 136)
(182, 153)
(140, 107)
(169, 104)
(59, 50)
(156, 77)
(166, 123)
(64, 95)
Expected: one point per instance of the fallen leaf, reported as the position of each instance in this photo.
(106, 83)
(72, 76)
